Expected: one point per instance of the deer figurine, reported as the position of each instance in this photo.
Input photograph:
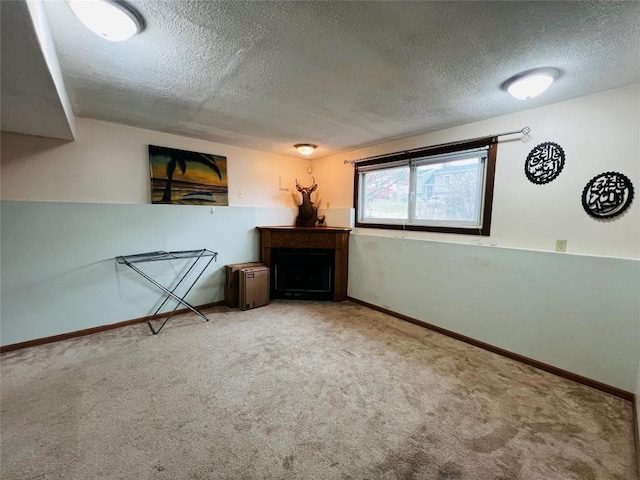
(307, 212)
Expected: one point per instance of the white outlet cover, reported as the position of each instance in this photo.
(561, 245)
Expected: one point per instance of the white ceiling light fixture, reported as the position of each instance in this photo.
(531, 83)
(113, 20)
(305, 149)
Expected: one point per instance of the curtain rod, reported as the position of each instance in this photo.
(523, 131)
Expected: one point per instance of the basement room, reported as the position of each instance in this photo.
(319, 240)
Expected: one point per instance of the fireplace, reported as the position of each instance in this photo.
(306, 262)
(302, 273)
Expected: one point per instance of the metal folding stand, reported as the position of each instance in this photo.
(194, 255)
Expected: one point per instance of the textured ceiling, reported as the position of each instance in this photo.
(266, 75)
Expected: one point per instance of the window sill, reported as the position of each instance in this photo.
(478, 231)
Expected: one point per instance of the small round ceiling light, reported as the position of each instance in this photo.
(305, 149)
(531, 83)
(113, 20)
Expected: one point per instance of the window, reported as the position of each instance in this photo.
(442, 189)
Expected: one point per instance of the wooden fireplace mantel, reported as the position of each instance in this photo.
(332, 238)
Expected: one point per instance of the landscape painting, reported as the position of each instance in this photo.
(187, 178)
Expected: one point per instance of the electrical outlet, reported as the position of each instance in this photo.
(240, 194)
(561, 245)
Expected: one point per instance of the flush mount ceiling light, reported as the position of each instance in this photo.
(305, 149)
(113, 20)
(531, 83)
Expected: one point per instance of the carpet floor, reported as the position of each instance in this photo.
(299, 390)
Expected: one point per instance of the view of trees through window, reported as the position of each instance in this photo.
(386, 193)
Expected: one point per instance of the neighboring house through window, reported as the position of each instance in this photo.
(442, 189)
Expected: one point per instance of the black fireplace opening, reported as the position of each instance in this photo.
(302, 273)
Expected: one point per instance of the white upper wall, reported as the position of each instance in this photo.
(598, 133)
(109, 163)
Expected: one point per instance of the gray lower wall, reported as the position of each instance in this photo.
(637, 399)
(58, 271)
(578, 313)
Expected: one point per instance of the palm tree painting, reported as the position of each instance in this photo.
(187, 178)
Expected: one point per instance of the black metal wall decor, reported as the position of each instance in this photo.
(544, 163)
(607, 195)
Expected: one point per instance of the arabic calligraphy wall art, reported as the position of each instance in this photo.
(607, 195)
(544, 163)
